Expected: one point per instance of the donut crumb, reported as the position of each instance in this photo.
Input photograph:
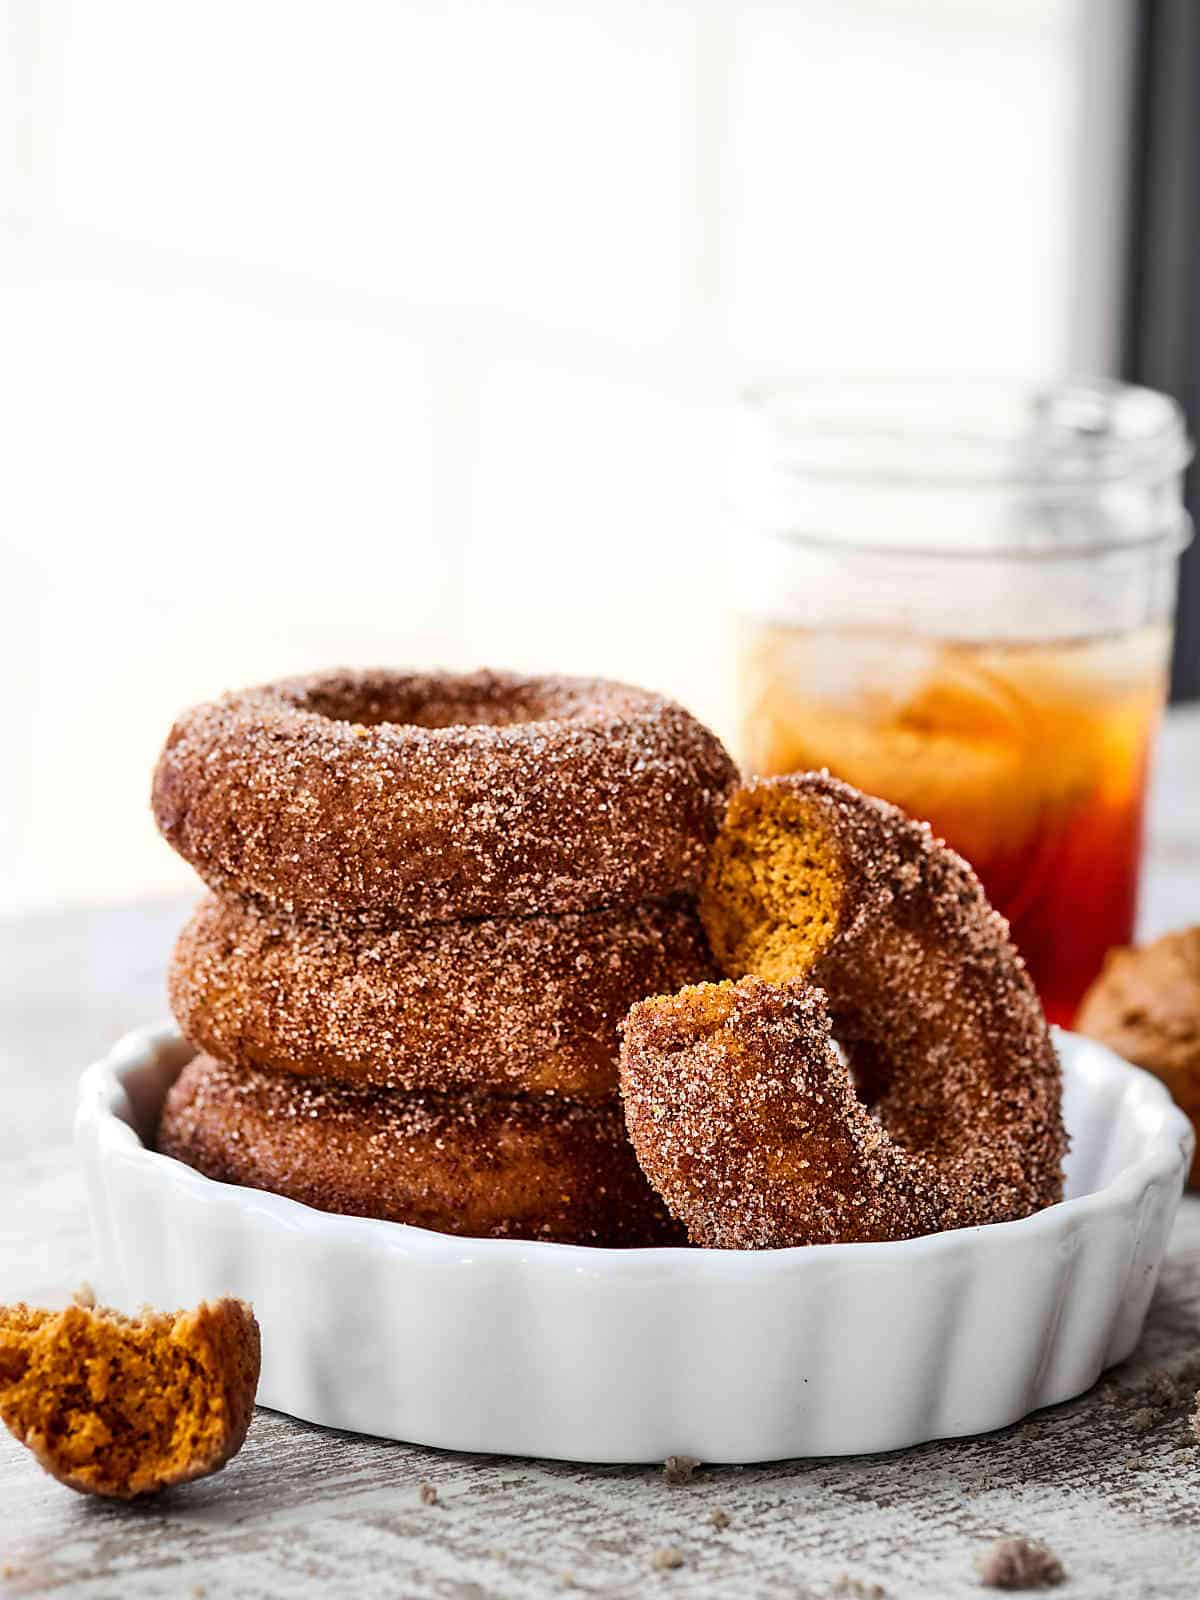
(666, 1559)
(719, 1519)
(1162, 1389)
(1019, 1563)
(680, 1469)
(856, 1589)
(429, 1495)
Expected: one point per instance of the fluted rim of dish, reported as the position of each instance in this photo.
(103, 1117)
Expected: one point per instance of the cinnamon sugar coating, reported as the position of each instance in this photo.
(125, 1406)
(510, 1005)
(871, 931)
(1145, 1005)
(482, 1167)
(393, 797)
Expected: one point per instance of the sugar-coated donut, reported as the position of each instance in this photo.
(516, 1005)
(391, 797)
(742, 1114)
(1145, 1005)
(484, 1167)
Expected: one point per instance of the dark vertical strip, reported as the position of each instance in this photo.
(1161, 344)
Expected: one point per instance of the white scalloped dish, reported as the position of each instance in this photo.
(633, 1355)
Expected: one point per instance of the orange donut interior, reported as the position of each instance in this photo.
(123, 1406)
(773, 894)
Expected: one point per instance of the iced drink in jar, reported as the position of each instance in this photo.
(962, 603)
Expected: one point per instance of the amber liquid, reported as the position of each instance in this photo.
(1031, 760)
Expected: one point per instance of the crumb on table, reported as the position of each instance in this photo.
(857, 1589)
(680, 1469)
(1020, 1564)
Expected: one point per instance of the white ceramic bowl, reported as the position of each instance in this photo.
(633, 1355)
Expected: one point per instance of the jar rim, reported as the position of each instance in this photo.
(1173, 538)
(1058, 439)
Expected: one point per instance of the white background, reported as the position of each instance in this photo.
(406, 332)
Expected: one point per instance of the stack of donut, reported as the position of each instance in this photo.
(435, 898)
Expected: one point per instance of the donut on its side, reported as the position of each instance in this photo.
(749, 1126)
(477, 1166)
(512, 1005)
(396, 797)
(843, 915)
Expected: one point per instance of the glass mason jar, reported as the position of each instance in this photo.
(960, 597)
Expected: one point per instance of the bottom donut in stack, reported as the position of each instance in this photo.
(485, 1166)
(459, 1076)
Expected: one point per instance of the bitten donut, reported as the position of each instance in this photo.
(526, 1005)
(845, 915)
(483, 1167)
(393, 797)
(125, 1406)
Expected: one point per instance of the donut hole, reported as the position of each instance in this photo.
(774, 890)
(473, 700)
(869, 1068)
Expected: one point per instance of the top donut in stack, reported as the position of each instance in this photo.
(436, 896)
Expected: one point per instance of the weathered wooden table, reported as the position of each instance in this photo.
(1111, 1481)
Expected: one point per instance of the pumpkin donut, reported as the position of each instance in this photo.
(483, 1167)
(125, 1406)
(526, 1005)
(1145, 1005)
(392, 797)
(853, 923)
